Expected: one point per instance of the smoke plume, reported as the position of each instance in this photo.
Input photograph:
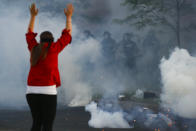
(104, 119)
(179, 83)
(74, 69)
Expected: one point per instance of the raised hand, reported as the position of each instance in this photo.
(33, 9)
(69, 10)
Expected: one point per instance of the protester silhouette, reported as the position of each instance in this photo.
(44, 77)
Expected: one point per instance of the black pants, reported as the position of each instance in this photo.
(43, 110)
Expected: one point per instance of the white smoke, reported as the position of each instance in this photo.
(101, 117)
(104, 119)
(13, 56)
(78, 90)
(179, 83)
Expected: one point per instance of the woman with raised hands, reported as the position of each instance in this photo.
(44, 77)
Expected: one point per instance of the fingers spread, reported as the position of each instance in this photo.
(33, 9)
(70, 8)
(33, 6)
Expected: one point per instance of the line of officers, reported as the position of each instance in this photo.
(127, 51)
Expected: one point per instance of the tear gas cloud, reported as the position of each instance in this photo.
(104, 119)
(179, 83)
(178, 94)
(109, 118)
(75, 84)
(14, 59)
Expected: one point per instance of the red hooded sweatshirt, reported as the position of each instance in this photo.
(46, 72)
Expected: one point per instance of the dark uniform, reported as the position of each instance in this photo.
(128, 50)
(108, 46)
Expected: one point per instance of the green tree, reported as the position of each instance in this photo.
(157, 12)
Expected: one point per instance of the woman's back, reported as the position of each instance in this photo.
(44, 75)
(45, 72)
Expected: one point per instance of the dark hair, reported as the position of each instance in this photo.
(37, 53)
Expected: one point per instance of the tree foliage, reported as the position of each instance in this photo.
(154, 12)
(168, 13)
(142, 13)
